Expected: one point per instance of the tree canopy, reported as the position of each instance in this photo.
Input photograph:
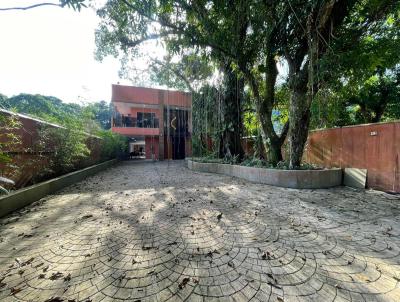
(51, 109)
(344, 49)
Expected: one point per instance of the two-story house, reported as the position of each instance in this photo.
(157, 121)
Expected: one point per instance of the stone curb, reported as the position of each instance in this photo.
(25, 196)
(297, 179)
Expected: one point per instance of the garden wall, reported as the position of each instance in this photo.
(31, 165)
(297, 179)
(375, 147)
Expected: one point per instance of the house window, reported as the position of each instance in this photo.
(147, 120)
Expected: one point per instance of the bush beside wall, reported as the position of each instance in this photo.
(47, 150)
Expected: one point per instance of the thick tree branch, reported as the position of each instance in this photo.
(177, 73)
(31, 6)
(133, 43)
(179, 30)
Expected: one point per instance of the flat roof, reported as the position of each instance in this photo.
(145, 95)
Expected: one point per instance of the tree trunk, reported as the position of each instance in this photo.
(275, 152)
(299, 116)
(264, 106)
(378, 115)
(320, 24)
(231, 118)
(302, 91)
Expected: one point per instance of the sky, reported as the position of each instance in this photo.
(50, 51)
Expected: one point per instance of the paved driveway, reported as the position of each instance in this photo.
(159, 232)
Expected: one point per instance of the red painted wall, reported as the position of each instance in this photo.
(356, 147)
(152, 142)
(125, 97)
(132, 131)
(142, 95)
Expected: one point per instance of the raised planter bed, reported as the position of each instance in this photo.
(25, 196)
(298, 179)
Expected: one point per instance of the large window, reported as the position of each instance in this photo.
(143, 120)
(147, 120)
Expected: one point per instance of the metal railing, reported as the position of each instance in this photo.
(133, 122)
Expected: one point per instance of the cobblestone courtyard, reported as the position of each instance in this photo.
(159, 232)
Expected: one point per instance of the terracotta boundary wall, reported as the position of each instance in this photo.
(375, 147)
(31, 165)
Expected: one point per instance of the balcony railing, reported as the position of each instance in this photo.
(127, 121)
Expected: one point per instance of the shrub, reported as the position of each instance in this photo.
(9, 140)
(113, 145)
(255, 162)
(64, 147)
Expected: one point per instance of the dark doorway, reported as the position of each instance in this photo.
(178, 147)
(176, 127)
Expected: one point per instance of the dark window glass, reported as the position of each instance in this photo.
(147, 120)
(140, 119)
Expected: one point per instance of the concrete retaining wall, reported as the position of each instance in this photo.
(298, 179)
(26, 196)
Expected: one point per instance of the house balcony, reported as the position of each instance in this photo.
(136, 131)
(132, 126)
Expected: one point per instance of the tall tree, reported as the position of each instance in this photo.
(48, 108)
(362, 86)
(101, 113)
(303, 40)
(188, 71)
(249, 37)
(126, 24)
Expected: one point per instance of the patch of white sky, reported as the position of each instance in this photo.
(50, 50)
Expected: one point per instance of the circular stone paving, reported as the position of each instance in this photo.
(159, 232)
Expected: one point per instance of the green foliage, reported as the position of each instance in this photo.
(186, 72)
(48, 108)
(74, 4)
(9, 140)
(378, 97)
(64, 147)
(250, 122)
(284, 165)
(232, 160)
(327, 46)
(373, 100)
(101, 113)
(209, 159)
(329, 110)
(87, 117)
(206, 121)
(255, 162)
(3, 99)
(252, 162)
(363, 86)
(280, 115)
(113, 145)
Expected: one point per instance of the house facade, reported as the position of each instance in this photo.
(158, 122)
